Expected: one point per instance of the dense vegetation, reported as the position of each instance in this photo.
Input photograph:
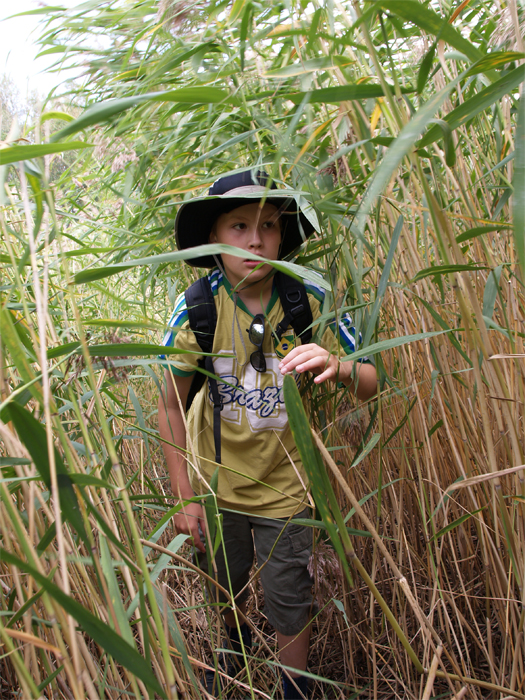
(402, 123)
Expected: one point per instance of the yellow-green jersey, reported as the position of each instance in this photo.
(261, 471)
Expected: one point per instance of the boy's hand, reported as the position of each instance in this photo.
(187, 521)
(313, 358)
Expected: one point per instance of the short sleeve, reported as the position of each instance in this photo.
(339, 336)
(179, 335)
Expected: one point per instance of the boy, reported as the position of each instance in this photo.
(261, 477)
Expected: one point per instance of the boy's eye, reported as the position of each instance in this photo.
(265, 225)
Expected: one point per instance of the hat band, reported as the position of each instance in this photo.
(244, 190)
(240, 192)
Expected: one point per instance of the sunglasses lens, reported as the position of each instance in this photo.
(257, 361)
(256, 335)
(257, 331)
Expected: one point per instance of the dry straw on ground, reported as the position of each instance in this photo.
(429, 476)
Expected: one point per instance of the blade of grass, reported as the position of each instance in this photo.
(518, 184)
(100, 113)
(14, 154)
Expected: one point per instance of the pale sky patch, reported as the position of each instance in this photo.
(18, 49)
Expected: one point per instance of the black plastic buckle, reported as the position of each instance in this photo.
(298, 310)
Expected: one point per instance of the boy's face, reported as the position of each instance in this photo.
(252, 228)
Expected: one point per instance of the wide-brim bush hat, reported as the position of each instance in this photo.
(196, 217)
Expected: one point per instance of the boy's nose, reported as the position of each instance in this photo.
(255, 237)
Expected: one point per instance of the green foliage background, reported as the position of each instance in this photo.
(402, 123)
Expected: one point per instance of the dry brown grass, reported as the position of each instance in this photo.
(447, 492)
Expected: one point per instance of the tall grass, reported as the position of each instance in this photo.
(402, 123)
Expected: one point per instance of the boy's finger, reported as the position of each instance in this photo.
(291, 362)
(296, 352)
(197, 531)
(198, 543)
(197, 540)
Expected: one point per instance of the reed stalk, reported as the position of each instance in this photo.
(402, 123)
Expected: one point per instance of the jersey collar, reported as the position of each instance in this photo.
(240, 303)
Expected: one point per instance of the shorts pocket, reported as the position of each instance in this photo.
(300, 537)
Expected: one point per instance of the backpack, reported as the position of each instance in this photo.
(202, 316)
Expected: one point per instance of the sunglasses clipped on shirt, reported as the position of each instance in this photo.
(256, 336)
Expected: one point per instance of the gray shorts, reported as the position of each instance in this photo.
(282, 560)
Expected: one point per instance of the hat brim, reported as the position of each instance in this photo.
(196, 217)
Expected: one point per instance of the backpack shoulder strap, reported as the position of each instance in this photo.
(202, 315)
(297, 311)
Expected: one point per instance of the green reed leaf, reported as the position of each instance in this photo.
(340, 93)
(14, 154)
(162, 562)
(140, 418)
(245, 25)
(428, 20)
(491, 291)
(33, 435)
(437, 270)
(367, 449)
(15, 344)
(38, 197)
(99, 273)
(320, 485)
(125, 323)
(104, 111)
(390, 343)
(24, 608)
(50, 678)
(479, 231)
(63, 116)
(448, 142)
(368, 496)
(114, 593)
(9, 461)
(179, 639)
(219, 149)
(168, 64)
(288, 268)
(476, 104)
(456, 523)
(90, 480)
(424, 69)
(296, 69)
(383, 282)
(397, 151)
(307, 522)
(48, 536)
(518, 184)
(132, 350)
(496, 59)
(60, 350)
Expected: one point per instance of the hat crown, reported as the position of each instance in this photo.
(245, 178)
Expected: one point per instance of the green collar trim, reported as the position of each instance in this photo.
(229, 290)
